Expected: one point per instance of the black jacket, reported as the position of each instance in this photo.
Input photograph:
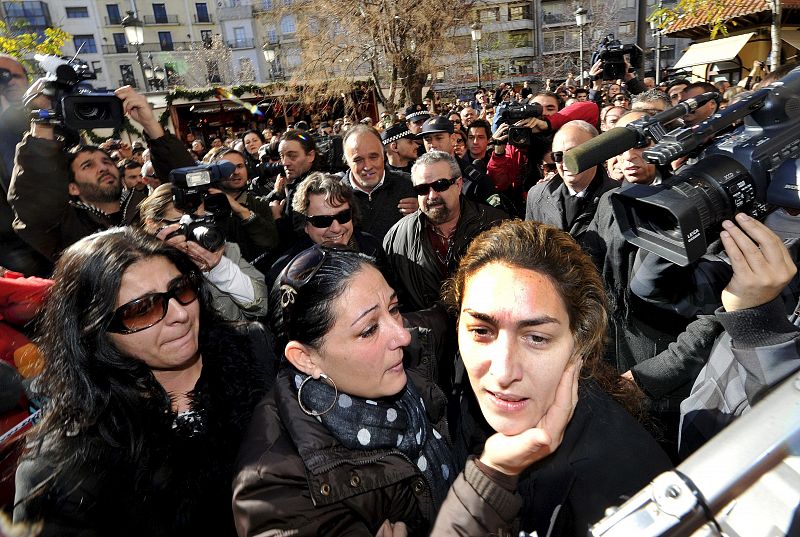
(545, 203)
(377, 211)
(413, 260)
(47, 217)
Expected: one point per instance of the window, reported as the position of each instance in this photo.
(287, 25)
(202, 12)
(272, 34)
(77, 13)
(34, 16)
(128, 78)
(160, 13)
(120, 44)
(489, 15)
(165, 40)
(519, 38)
(626, 28)
(517, 13)
(266, 5)
(86, 41)
(239, 37)
(113, 14)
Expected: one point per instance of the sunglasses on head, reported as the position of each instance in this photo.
(323, 221)
(150, 309)
(302, 268)
(440, 185)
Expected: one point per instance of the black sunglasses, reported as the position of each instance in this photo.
(558, 156)
(323, 221)
(440, 185)
(149, 310)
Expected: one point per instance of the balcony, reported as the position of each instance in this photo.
(241, 43)
(160, 19)
(113, 21)
(203, 19)
(560, 45)
(558, 18)
(177, 46)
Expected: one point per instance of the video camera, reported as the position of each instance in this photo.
(76, 104)
(189, 189)
(190, 184)
(751, 170)
(612, 52)
(511, 113)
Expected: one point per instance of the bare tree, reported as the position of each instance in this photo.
(391, 43)
(208, 63)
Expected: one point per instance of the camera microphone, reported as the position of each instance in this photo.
(601, 148)
(619, 139)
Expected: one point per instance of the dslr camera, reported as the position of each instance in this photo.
(189, 190)
(612, 52)
(76, 104)
(511, 113)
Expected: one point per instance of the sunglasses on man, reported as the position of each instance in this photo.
(323, 221)
(440, 185)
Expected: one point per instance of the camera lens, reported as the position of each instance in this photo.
(92, 111)
(209, 237)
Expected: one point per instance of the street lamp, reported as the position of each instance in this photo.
(581, 19)
(155, 75)
(134, 33)
(475, 29)
(269, 57)
(654, 26)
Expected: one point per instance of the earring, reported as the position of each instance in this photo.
(314, 413)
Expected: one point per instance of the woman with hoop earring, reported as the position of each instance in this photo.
(349, 441)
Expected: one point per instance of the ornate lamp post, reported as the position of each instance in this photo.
(134, 33)
(581, 19)
(475, 29)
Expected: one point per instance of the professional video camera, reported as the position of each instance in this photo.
(511, 113)
(612, 52)
(750, 169)
(190, 184)
(76, 104)
(189, 189)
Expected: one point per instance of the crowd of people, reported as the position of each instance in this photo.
(445, 333)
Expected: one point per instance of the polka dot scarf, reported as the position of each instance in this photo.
(397, 423)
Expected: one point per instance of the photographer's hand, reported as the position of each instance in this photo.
(762, 266)
(34, 98)
(238, 209)
(500, 137)
(534, 123)
(138, 109)
(594, 71)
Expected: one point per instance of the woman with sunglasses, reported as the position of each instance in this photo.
(326, 204)
(531, 330)
(237, 288)
(349, 441)
(147, 395)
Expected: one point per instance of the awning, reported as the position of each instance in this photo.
(719, 50)
(792, 37)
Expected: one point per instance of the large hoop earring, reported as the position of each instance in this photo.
(314, 413)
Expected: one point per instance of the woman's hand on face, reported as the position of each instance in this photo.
(513, 454)
(387, 529)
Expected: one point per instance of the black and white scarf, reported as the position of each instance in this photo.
(400, 423)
